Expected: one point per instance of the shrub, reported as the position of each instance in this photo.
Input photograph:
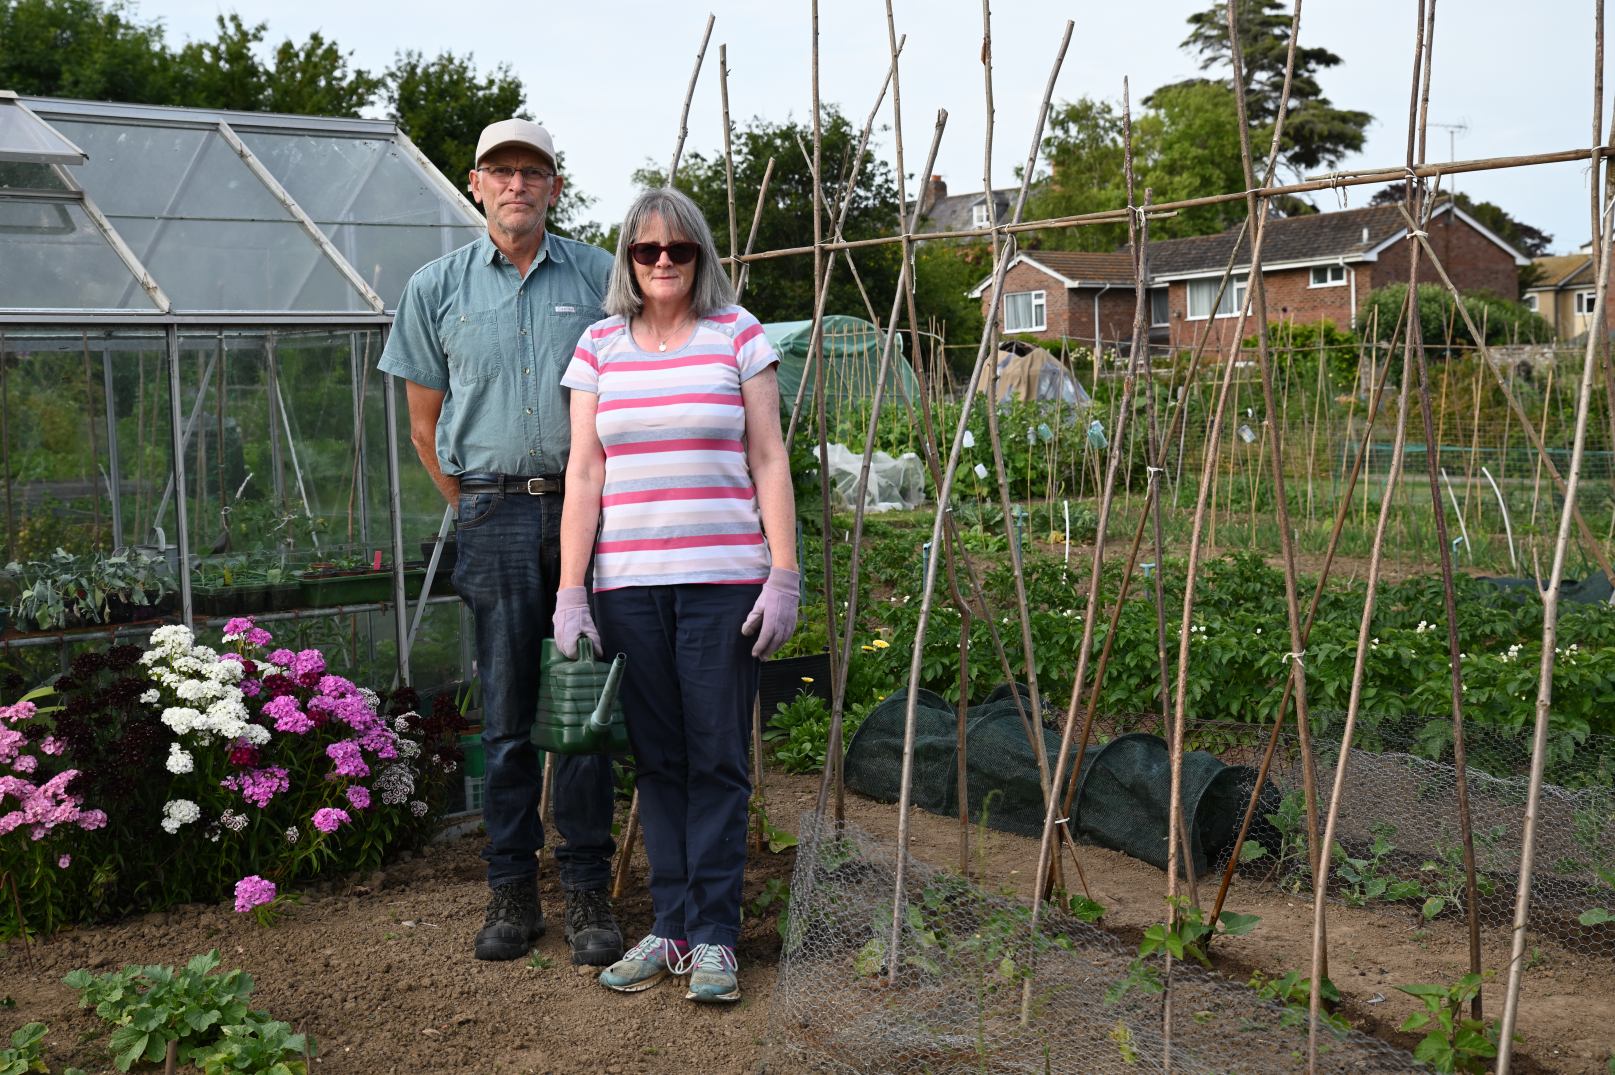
(207, 770)
(1502, 321)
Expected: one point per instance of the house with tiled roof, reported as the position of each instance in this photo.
(1563, 293)
(1319, 267)
(941, 211)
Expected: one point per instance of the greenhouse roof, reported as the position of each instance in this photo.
(133, 212)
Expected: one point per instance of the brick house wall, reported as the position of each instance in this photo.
(1069, 311)
(1474, 262)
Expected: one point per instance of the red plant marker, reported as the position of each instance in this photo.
(375, 563)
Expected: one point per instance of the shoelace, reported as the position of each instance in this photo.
(718, 957)
(652, 947)
(587, 909)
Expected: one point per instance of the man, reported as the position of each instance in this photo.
(482, 336)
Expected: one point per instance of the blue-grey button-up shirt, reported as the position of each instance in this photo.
(496, 344)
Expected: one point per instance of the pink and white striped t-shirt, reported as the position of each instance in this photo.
(678, 503)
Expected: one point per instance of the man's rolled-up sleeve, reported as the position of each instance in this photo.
(414, 351)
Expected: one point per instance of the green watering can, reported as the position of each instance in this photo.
(578, 712)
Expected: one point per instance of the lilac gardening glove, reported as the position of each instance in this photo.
(773, 618)
(572, 619)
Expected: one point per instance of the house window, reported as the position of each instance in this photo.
(978, 216)
(1159, 312)
(1025, 311)
(1201, 292)
(1584, 302)
(1531, 304)
(1328, 275)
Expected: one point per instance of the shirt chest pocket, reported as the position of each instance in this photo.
(471, 345)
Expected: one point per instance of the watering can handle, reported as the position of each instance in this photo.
(600, 719)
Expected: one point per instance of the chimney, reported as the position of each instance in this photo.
(935, 190)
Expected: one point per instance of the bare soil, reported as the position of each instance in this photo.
(379, 969)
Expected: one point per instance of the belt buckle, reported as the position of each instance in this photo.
(538, 490)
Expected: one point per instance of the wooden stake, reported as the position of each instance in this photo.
(689, 93)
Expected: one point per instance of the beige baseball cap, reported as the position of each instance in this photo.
(515, 132)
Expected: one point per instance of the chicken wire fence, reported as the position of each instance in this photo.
(1398, 845)
(965, 958)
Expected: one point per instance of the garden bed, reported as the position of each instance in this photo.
(378, 969)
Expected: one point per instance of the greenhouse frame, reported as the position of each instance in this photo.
(192, 303)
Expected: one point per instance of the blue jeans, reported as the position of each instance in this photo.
(506, 571)
(687, 697)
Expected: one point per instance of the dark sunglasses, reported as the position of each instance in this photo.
(651, 253)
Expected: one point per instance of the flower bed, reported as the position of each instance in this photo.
(183, 773)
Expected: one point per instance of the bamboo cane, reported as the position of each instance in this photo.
(684, 115)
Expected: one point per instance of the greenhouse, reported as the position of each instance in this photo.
(192, 304)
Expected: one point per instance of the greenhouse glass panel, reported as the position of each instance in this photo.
(206, 227)
(28, 175)
(26, 137)
(56, 259)
(382, 212)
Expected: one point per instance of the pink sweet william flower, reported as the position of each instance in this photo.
(287, 716)
(93, 819)
(51, 745)
(307, 666)
(237, 628)
(329, 819)
(348, 759)
(259, 786)
(282, 657)
(64, 862)
(25, 763)
(253, 891)
(337, 687)
(359, 796)
(15, 714)
(250, 687)
(259, 637)
(11, 743)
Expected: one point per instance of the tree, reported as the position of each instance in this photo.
(1316, 133)
(1185, 144)
(83, 48)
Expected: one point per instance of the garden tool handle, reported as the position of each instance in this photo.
(601, 717)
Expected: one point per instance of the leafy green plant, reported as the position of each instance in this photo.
(1295, 993)
(261, 1046)
(65, 588)
(1365, 879)
(1600, 916)
(26, 1052)
(1451, 1042)
(1184, 935)
(151, 1006)
(1446, 885)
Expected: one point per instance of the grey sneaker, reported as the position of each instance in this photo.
(591, 928)
(514, 921)
(712, 969)
(645, 964)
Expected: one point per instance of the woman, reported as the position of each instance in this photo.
(678, 462)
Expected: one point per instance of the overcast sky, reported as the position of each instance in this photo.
(608, 77)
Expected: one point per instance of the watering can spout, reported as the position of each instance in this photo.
(600, 719)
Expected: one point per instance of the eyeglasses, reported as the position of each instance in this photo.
(651, 253)
(504, 173)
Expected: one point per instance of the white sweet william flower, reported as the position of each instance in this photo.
(255, 734)
(181, 719)
(177, 813)
(179, 761)
(151, 697)
(417, 808)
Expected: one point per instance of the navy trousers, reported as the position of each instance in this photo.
(506, 571)
(687, 697)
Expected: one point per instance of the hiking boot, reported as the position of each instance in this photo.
(591, 928)
(514, 921)
(711, 968)
(646, 963)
